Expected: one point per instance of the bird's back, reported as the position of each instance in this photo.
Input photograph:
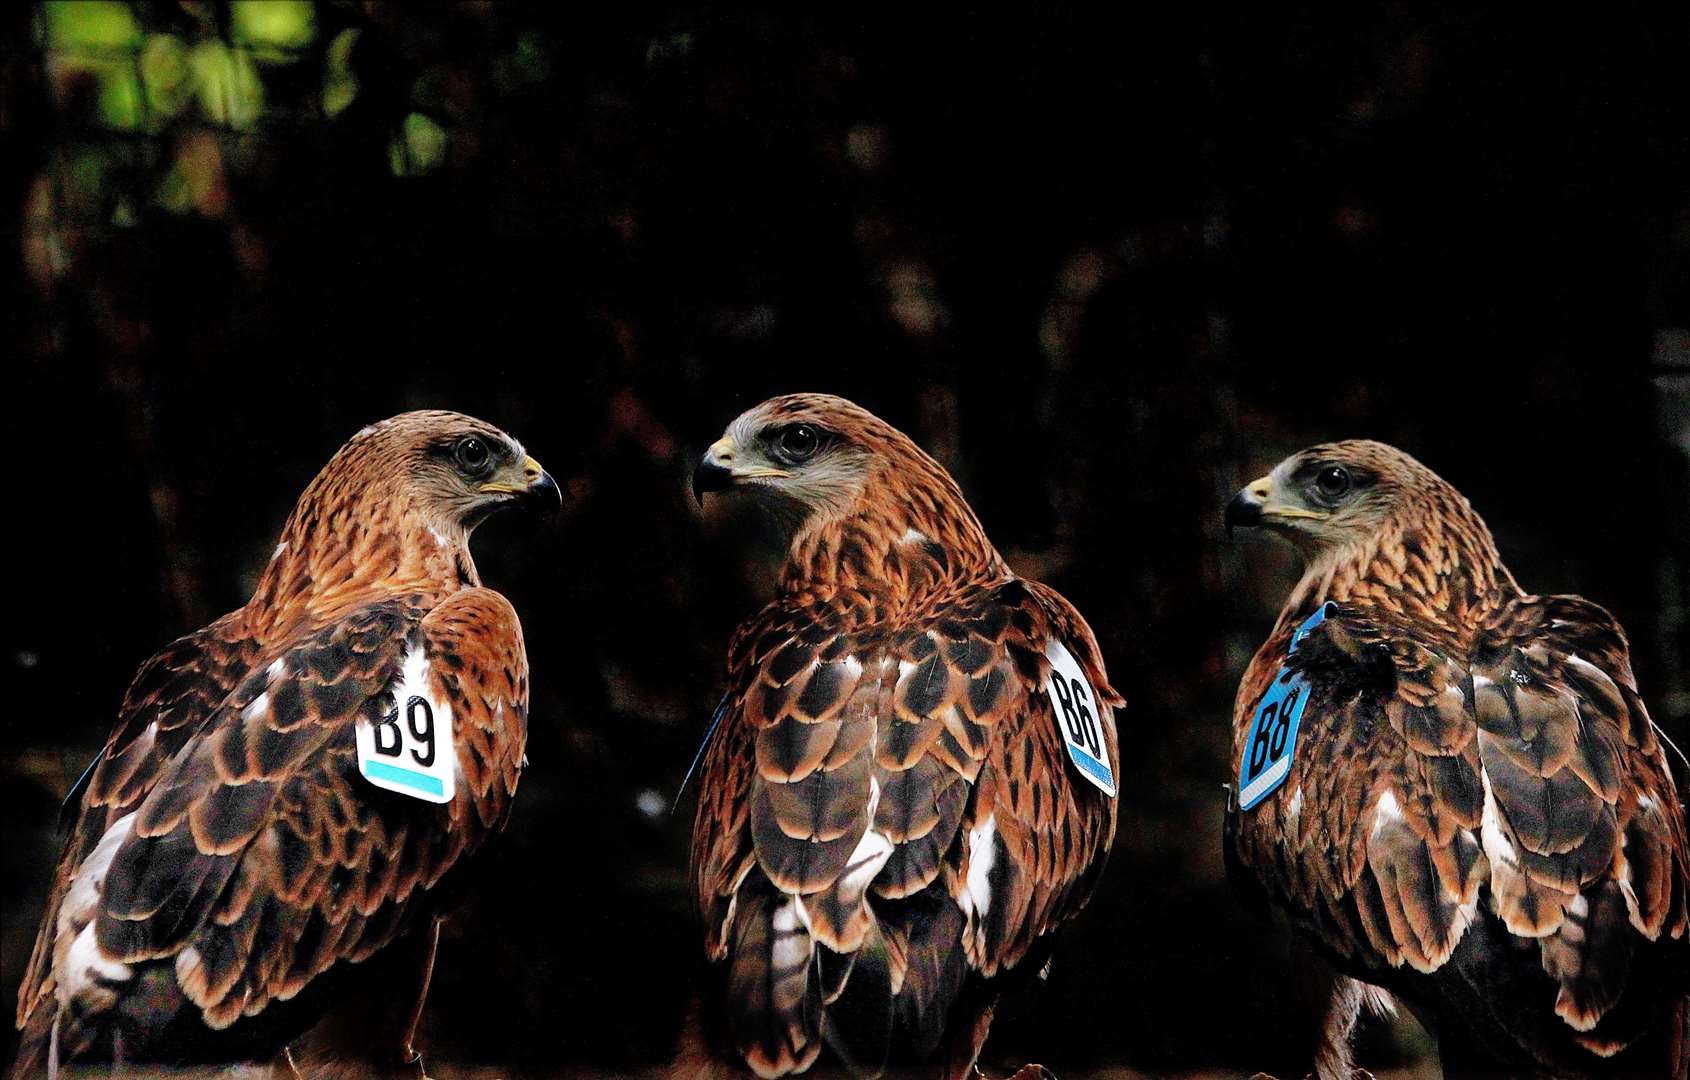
(170, 697)
(233, 863)
(1484, 822)
(881, 790)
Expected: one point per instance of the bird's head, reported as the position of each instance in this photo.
(809, 453)
(451, 470)
(828, 468)
(1361, 512)
(392, 512)
(1334, 495)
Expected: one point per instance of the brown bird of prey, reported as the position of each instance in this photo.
(294, 795)
(911, 782)
(1452, 787)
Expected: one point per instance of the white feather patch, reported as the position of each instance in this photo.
(869, 855)
(1495, 841)
(1385, 812)
(792, 944)
(85, 963)
(982, 856)
(78, 963)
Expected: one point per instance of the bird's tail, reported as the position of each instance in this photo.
(1680, 1040)
(791, 993)
(774, 989)
(37, 1057)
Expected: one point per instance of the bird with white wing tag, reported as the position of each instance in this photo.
(912, 784)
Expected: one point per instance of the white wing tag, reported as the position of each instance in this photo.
(1078, 717)
(410, 750)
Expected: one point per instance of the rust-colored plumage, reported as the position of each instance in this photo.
(888, 822)
(1479, 815)
(229, 873)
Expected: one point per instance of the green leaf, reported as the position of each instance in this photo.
(420, 148)
(229, 90)
(340, 85)
(90, 24)
(273, 24)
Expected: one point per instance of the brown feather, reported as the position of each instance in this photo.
(886, 735)
(243, 855)
(1495, 739)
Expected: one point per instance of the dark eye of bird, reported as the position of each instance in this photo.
(1333, 482)
(799, 442)
(473, 455)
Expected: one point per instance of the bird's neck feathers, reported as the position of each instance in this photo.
(908, 535)
(1435, 564)
(345, 546)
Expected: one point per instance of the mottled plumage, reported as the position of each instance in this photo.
(228, 870)
(888, 823)
(1479, 815)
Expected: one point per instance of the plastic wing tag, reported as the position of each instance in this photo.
(1272, 738)
(1079, 718)
(410, 750)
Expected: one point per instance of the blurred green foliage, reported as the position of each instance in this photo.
(194, 68)
(166, 74)
(229, 90)
(90, 24)
(419, 148)
(274, 26)
(340, 84)
(143, 82)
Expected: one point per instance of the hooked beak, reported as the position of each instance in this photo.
(1245, 509)
(715, 470)
(533, 487)
(1254, 506)
(718, 470)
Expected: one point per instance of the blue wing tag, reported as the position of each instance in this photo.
(1272, 738)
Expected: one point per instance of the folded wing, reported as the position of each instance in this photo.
(873, 798)
(260, 858)
(1520, 779)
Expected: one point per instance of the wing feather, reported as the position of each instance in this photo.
(1527, 765)
(259, 859)
(884, 794)
(170, 697)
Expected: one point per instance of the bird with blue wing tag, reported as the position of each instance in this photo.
(1452, 787)
(1272, 737)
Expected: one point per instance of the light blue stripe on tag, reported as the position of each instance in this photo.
(380, 770)
(1092, 765)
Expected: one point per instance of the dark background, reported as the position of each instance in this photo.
(1107, 264)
